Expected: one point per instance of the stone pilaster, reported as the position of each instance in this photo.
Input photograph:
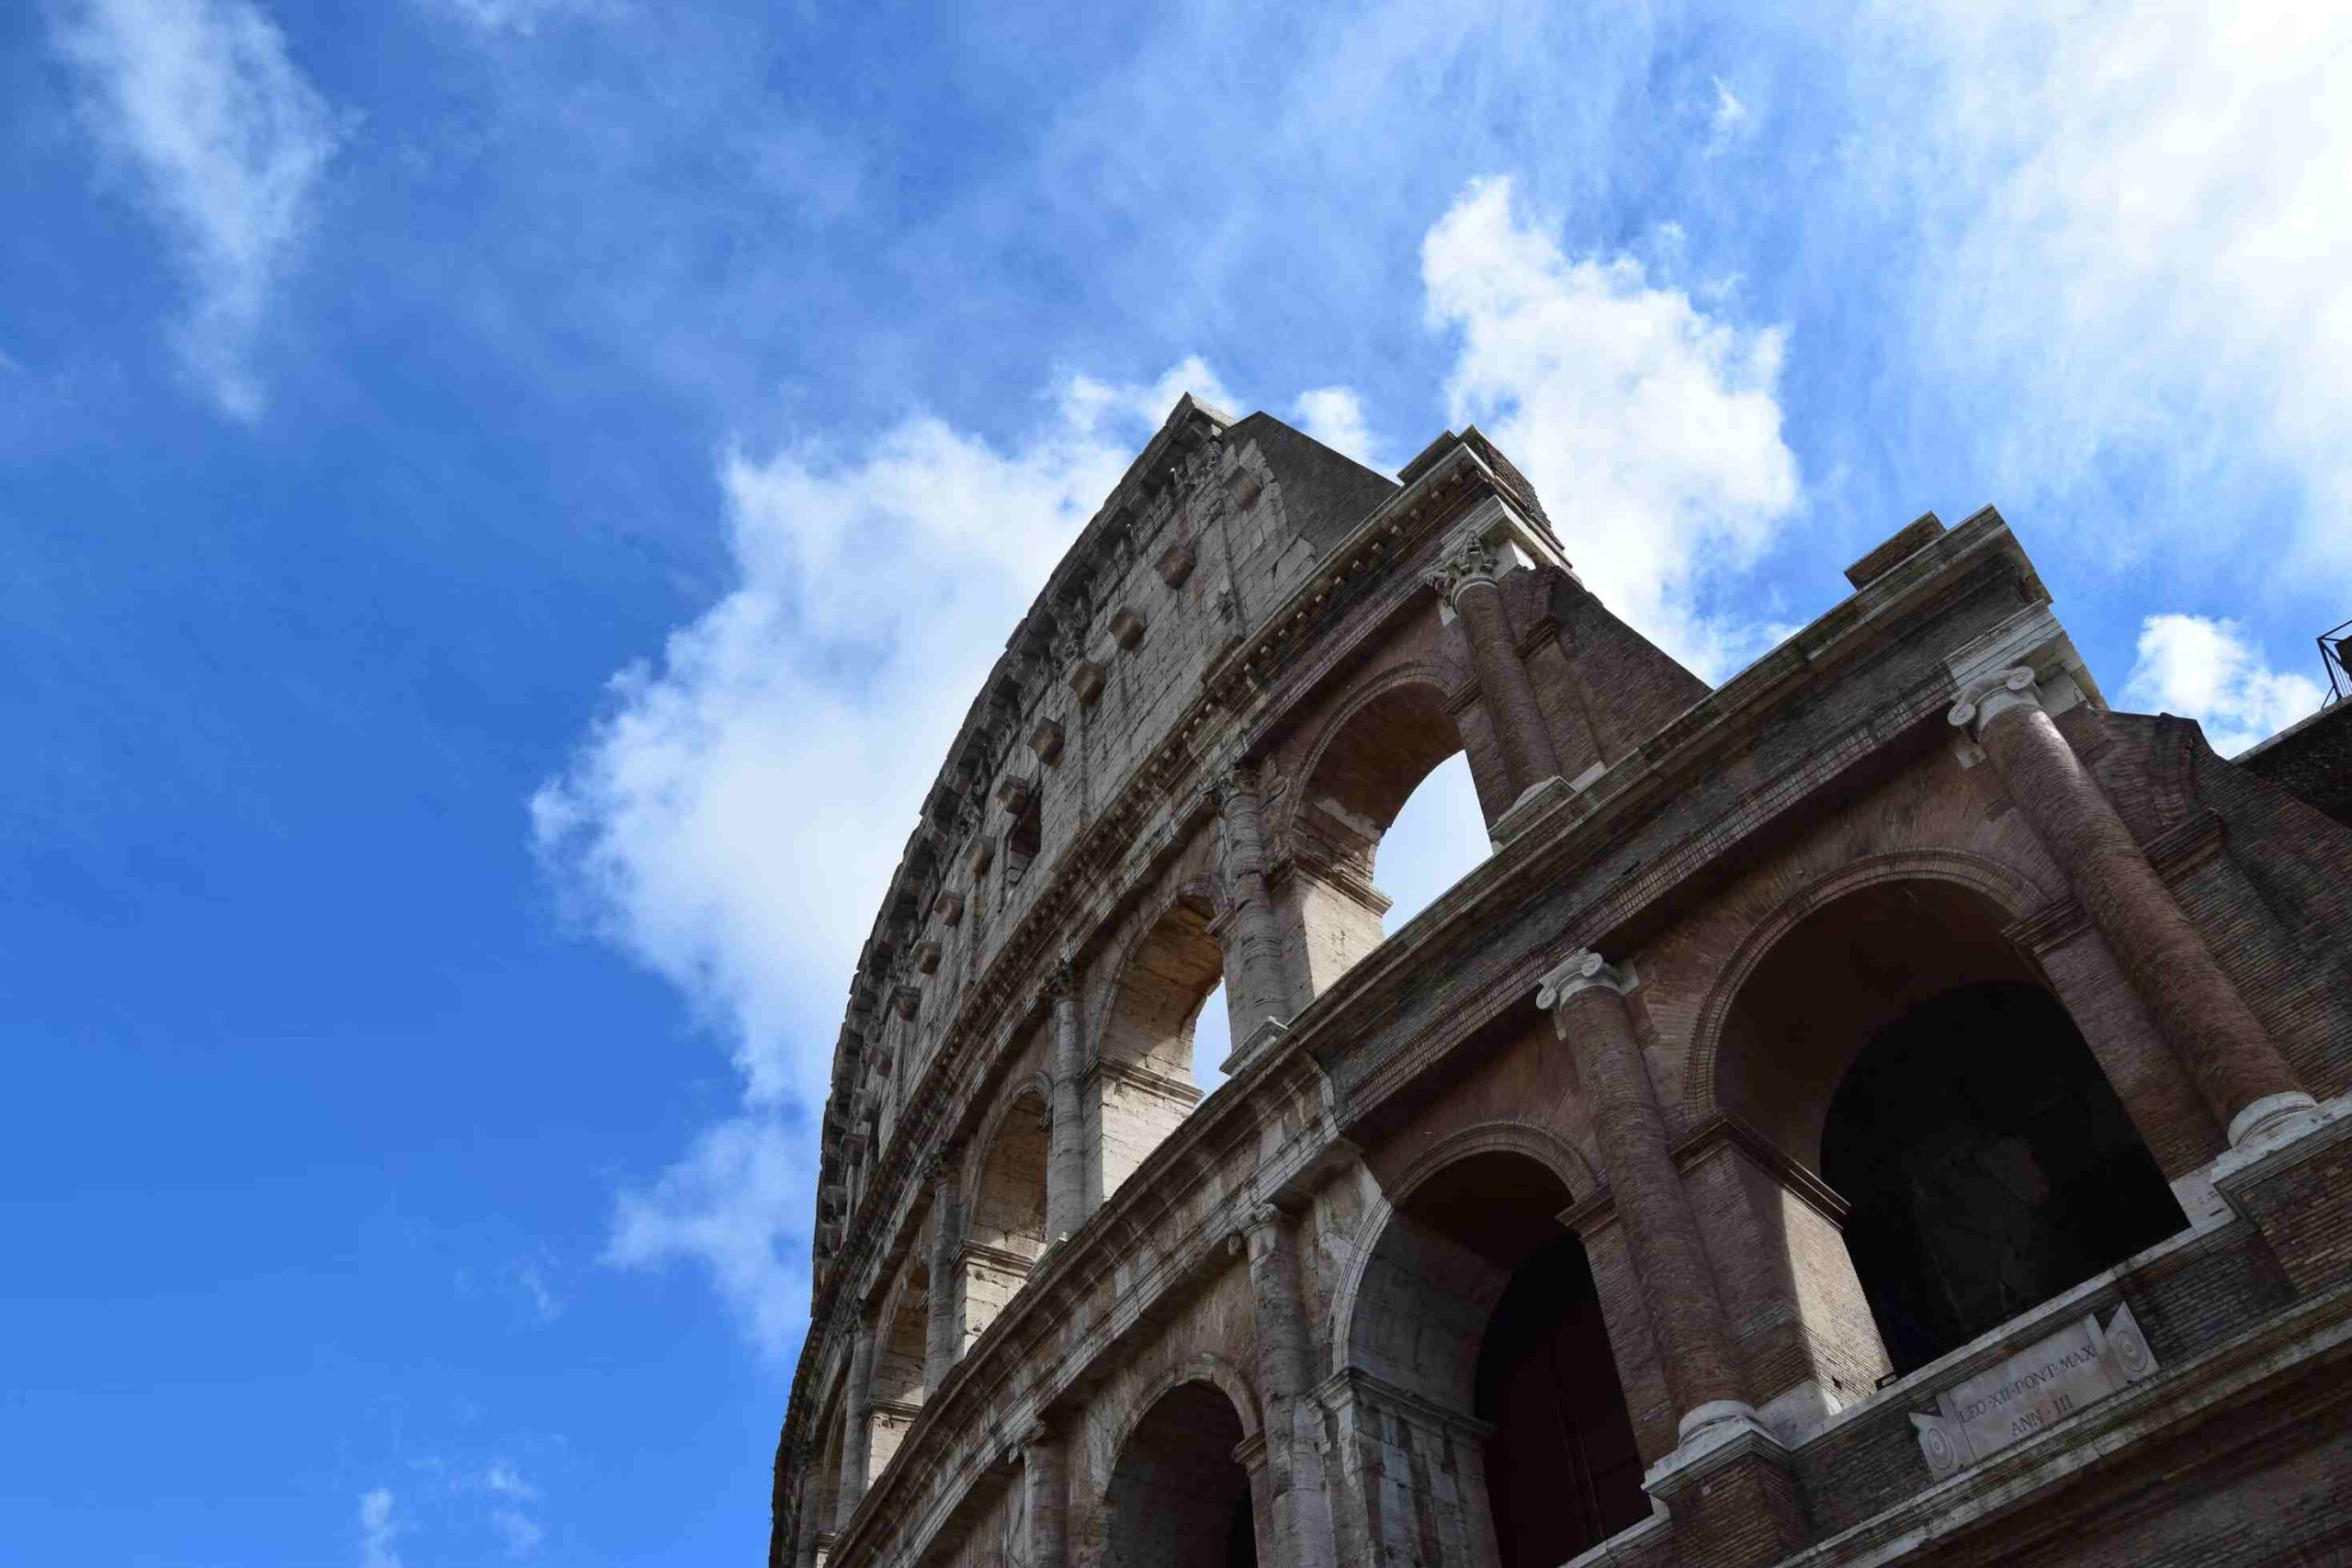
(1045, 1464)
(943, 1331)
(1465, 586)
(1301, 1512)
(1066, 1156)
(1257, 990)
(857, 1442)
(2239, 1073)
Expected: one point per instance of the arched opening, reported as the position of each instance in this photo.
(1896, 1042)
(1477, 1305)
(1390, 793)
(1212, 1040)
(1142, 1083)
(1007, 1234)
(821, 1491)
(1438, 838)
(894, 1385)
(1989, 1166)
(1179, 1498)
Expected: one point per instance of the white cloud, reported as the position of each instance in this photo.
(502, 1480)
(378, 1530)
(226, 142)
(733, 818)
(518, 1531)
(1728, 122)
(520, 18)
(1334, 415)
(1651, 428)
(2134, 244)
(2211, 670)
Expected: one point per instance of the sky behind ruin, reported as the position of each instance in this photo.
(506, 501)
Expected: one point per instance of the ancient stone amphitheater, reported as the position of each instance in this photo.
(1876, 1109)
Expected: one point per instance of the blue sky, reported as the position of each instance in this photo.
(504, 502)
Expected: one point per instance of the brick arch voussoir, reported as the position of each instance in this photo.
(2008, 888)
(1545, 1147)
(1435, 675)
(1201, 887)
(1201, 1366)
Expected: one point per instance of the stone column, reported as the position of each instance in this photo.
(1044, 1467)
(857, 1441)
(1257, 994)
(1066, 1157)
(1301, 1508)
(1587, 999)
(2239, 1073)
(1465, 586)
(942, 1330)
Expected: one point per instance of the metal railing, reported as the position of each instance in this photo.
(2332, 653)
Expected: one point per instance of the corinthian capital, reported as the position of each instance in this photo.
(1465, 561)
(1582, 971)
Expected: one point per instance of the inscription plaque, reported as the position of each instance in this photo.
(2079, 1365)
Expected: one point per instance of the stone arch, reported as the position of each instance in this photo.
(1887, 1034)
(1355, 776)
(1406, 701)
(1139, 1073)
(1005, 1233)
(1470, 1326)
(1201, 1366)
(1179, 1494)
(1547, 1148)
(895, 1384)
(2009, 890)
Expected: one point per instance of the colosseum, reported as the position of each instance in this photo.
(1880, 1109)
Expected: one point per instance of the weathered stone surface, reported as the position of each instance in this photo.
(1061, 1299)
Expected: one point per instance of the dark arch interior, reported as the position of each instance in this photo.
(1563, 1471)
(1179, 1498)
(1562, 1468)
(1989, 1166)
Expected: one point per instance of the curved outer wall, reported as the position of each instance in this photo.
(1033, 1234)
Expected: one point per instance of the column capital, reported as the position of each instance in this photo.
(1465, 562)
(1061, 981)
(1240, 779)
(1992, 694)
(1582, 971)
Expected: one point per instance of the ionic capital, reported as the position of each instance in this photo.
(1993, 695)
(1582, 971)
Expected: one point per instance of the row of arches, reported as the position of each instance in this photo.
(1892, 1039)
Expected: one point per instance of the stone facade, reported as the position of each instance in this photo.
(1882, 1109)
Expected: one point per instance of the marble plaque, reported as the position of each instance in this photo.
(2078, 1366)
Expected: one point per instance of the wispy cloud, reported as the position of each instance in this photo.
(738, 802)
(1651, 428)
(378, 1530)
(1334, 415)
(225, 142)
(2132, 243)
(514, 18)
(2212, 670)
